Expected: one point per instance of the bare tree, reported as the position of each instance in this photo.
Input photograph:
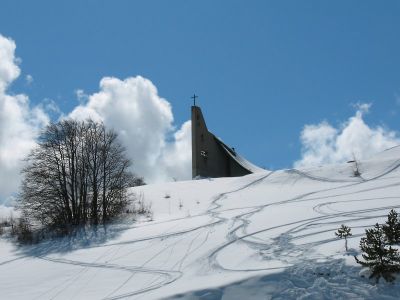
(77, 174)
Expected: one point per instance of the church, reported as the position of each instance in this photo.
(211, 157)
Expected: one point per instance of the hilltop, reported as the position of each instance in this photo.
(264, 235)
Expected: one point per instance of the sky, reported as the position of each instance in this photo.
(287, 83)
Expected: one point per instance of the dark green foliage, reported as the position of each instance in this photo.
(379, 257)
(392, 228)
(344, 232)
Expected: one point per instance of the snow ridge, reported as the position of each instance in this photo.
(262, 236)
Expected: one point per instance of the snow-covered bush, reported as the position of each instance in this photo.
(22, 230)
(343, 232)
(140, 206)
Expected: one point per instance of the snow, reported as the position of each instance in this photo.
(268, 235)
(6, 212)
(239, 159)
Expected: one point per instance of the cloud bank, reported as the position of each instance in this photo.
(132, 107)
(144, 122)
(325, 144)
(19, 123)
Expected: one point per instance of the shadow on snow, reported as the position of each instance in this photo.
(80, 238)
(308, 280)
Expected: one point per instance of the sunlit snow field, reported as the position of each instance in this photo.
(261, 236)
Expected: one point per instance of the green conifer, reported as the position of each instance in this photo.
(379, 257)
(392, 228)
(344, 232)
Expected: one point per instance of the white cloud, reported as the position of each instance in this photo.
(144, 122)
(29, 79)
(362, 108)
(324, 144)
(81, 96)
(132, 107)
(9, 69)
(176, 158)
(19, 124)
(7, 212)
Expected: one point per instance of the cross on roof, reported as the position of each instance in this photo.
(194, 99)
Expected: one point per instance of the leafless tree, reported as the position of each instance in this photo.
(77, 174)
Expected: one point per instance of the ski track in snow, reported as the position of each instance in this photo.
(232, 237)
(179, 248)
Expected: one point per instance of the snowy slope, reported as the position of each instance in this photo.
(265, 235)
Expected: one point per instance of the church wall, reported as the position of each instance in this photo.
(209, 159)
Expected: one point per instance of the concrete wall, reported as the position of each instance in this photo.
(209, 158)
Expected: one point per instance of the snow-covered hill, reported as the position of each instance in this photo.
(266, 235)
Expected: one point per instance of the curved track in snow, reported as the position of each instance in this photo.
(257, 224)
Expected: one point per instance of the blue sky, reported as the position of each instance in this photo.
(262, 69)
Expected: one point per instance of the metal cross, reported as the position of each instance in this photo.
(194, 99)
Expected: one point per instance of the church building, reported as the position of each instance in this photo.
(211, 157)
